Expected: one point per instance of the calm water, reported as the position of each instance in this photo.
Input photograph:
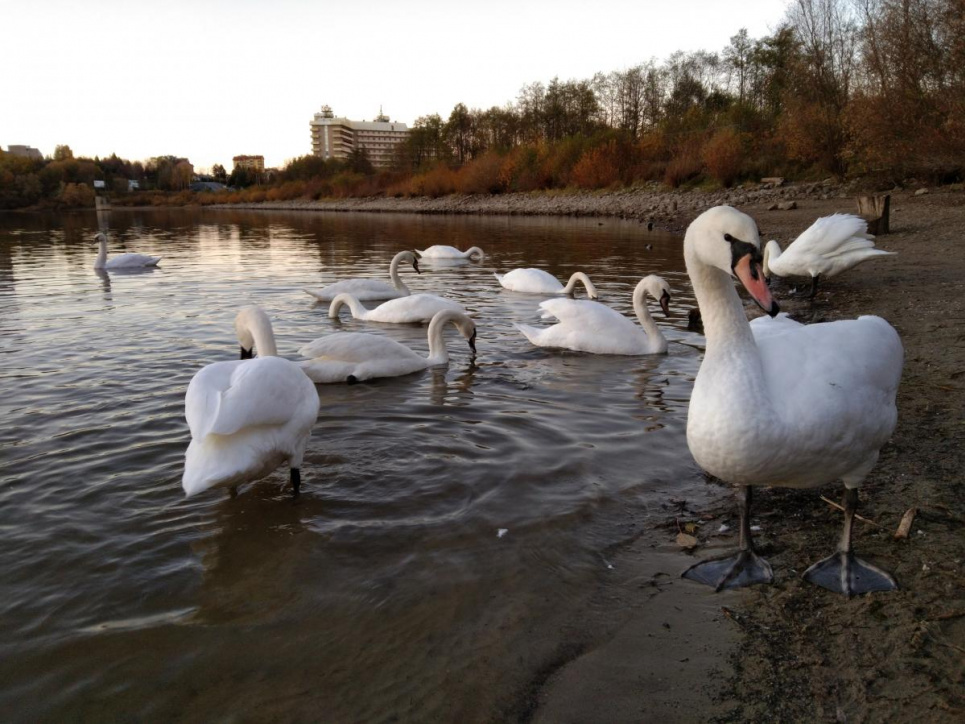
(384, 591)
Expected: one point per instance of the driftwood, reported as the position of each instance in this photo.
(876, 210)
(856, 516)
(904, 527)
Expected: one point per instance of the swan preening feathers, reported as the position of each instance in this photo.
(831, 245)
(247, 416)
(537, 281)
(356, 356)
(367, 290)
(121, 261)
(587, 326)
(789, 405)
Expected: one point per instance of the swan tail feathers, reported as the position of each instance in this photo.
(531, 333)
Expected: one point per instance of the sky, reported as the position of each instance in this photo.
(212, 79)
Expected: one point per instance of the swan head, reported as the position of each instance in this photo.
(727, 239)
(413, 256)
(658, 288)
(467, 328)
(100, 238)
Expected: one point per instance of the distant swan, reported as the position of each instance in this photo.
(356, 356)
(587, 326)
(406, 310)
(367, 290)
(440, 251)
(537, 281)
(831, 245)
(121, 261)
(247, 416)
(777, 403)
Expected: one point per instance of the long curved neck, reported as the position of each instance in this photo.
(646, 321)
(101, 260)
(473, 251)
(772, 252)
(358, 311)
(264, 336)
(394, 275)
(438, 351)
(580, 277)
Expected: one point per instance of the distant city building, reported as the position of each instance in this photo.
(337, 137)
(255, 163)
(25, 152)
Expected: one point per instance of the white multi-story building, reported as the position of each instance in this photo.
(337, 137)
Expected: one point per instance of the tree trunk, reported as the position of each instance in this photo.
(876, 211)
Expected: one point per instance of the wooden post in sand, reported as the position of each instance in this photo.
(876, 211)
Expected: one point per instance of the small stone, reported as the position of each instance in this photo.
(787, 205)
(921, 192)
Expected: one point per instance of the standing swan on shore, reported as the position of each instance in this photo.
(831, 245)
(587, 326)
(367, 290)
(248, 416)
(357, 356)
(440, 251)
(121, 261)
(537, 281)
(414, 308)
(792, 406)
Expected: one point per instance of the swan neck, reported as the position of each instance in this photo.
(438, 350)
(259, 327)
(394, 275)
(101, 260)
(725, 323)
(473, 250)
(646, 321)
(358, 311)
(587, 284)
(772, 252)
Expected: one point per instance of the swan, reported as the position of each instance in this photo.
(536, 281)
(247, 416)
(791, 405)
(121, 261)
(367, 290)
(406, 310)
(356, 356)
(831, 245)
(587, 326)
(440, 251)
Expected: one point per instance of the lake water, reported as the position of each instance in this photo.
(384, 592)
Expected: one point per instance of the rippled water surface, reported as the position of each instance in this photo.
(384, 591)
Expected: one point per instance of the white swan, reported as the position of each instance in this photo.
(247, 416)
(537, 281)
(831, 245)
(406, 310)
(367, 290)
(440, 251)
(587, 326)
(121, 261)
(356, 356)
(793, 406)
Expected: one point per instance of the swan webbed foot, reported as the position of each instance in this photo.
(744, 568)
(296, 481)
(844, 572)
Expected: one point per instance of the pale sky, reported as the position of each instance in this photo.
(212, 79)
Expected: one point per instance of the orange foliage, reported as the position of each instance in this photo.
(684, 166)
(481, 176)
(598, 168)
(722, 155)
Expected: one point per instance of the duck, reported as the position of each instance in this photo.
(121, 261)
(537, 281)
(367, 290)
(587, 326)
(441, 251)
(788, 405)
(414, 309)
(831, 245)
(248, 416)
(356, 356)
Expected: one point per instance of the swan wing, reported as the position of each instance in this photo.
(535, 281)
(131, 260)
(354, 347)
(362, 289)
(766, 326)
(586, 326)
(414, 308)
(828, 233)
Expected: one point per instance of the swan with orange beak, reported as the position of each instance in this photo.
(799, 406)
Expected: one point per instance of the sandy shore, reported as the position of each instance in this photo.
(656, 648)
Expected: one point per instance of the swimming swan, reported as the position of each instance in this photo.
(537, 281)
(356, 356)
(406, 310)
(793, 406)
(587, 326)
(121, 261)
(247, 416)
(450, 252)
(831, 245)
(367, 290)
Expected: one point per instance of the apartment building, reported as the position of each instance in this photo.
(255, 163)
(337, 137)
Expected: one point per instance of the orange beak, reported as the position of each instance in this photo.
(751, 275)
